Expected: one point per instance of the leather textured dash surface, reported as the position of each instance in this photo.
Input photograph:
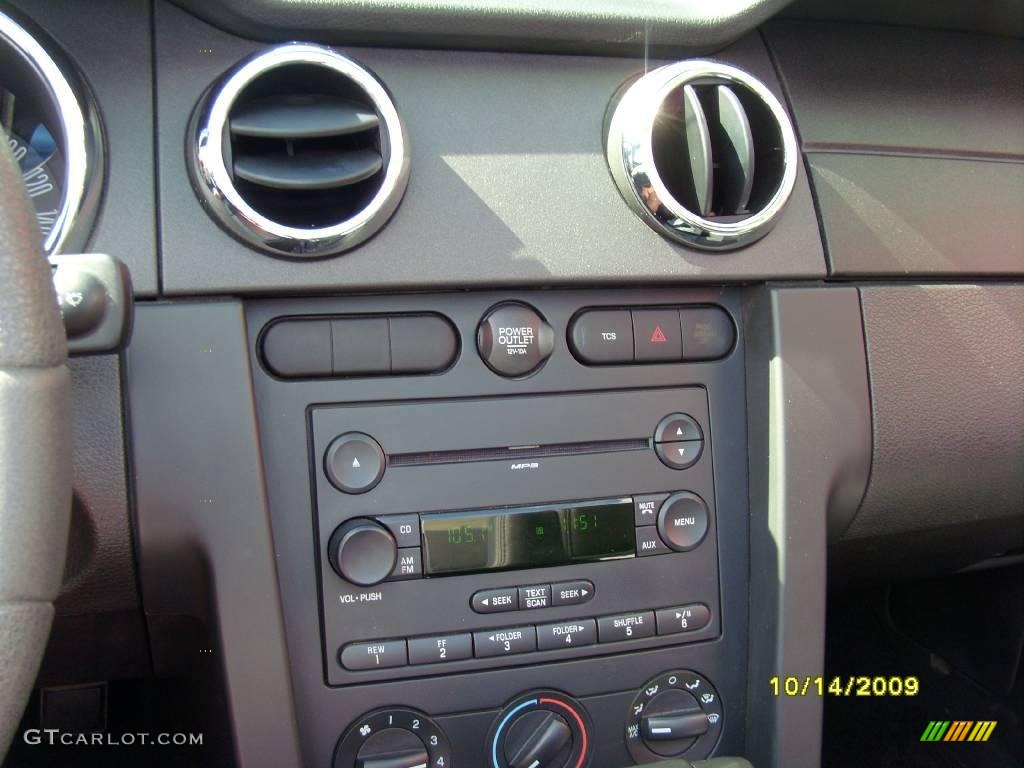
(31, 332)
(947, 389)
(100, 575)
(580, 25)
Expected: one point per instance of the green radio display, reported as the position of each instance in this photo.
(530, 537)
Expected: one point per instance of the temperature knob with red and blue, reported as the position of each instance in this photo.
(541, 729)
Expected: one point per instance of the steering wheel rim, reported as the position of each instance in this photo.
(35, 448)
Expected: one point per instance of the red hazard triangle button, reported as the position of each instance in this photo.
(657, 336)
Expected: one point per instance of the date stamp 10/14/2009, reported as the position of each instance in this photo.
(864, 686)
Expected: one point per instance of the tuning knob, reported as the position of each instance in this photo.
(362, 552)
(544, 729)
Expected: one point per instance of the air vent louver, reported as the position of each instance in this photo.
(300, 152)
(703, 152)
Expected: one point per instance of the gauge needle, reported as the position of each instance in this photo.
(6, 110)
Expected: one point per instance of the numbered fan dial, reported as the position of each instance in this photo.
(393, 737)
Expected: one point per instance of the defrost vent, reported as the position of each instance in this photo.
(299, 151)
(703, 152)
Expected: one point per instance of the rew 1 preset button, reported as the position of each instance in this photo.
(626, 626)
(566, 634)
(376, 654)
(434, 650)
(504, 642)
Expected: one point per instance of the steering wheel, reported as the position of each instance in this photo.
(35, 448)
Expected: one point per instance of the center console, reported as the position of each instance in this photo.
(511, 529)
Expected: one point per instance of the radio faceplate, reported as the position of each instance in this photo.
(579, 447)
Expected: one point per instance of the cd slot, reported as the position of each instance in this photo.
(517, 453)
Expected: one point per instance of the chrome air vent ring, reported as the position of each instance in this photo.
(363, 117)
(723, 122)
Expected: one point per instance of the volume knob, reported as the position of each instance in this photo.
(362, 552)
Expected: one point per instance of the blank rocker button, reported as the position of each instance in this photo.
(421, 343)
(295, 349)
(362, 346)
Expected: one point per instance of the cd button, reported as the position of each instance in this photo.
(405, 529)
(495, 600)
(537, 596)
(648, 542)
(567, 634)
(504, 642)
(572, 592)
(685, 618)
(432, 650)
(627, 626)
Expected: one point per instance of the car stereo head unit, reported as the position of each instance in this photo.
(517, 532)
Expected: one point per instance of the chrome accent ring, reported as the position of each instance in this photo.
(83, 141)
(631, 157)
(208, 132)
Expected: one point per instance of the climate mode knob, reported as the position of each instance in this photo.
(677, 714)
(362, 552)
(542, 729)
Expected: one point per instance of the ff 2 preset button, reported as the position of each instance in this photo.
(376, 654)
(495, 600)
(626, 626)
(434, 650)
(504, 642)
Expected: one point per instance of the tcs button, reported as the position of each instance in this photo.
(514, 340)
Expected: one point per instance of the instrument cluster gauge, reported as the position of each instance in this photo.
(51, 126)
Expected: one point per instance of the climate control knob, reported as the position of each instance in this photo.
(393, 738)
(677, 714)
(543, 729)
(362, 552)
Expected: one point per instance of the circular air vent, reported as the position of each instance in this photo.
(703, 152)
(299, 151)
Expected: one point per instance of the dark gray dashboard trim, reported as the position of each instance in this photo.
(810, 449)
(202, 520)
(594, 26)
(508, 185)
